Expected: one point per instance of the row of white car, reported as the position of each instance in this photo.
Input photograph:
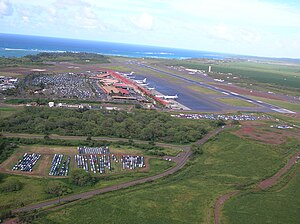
(27, 162)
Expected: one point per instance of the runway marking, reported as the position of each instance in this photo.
(283, 111)
(225, 93)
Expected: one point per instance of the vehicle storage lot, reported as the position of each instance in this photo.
(63, 168)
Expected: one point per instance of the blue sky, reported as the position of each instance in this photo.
(252, 27)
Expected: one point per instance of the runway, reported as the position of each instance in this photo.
(267, 107)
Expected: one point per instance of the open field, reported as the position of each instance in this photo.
(117, 68)
(228, 163)
(272, 206)
(262, 132)
(203, 90)
(281, 75)
(37, 185)
(8, 111)
(236, 102)
(290, 106)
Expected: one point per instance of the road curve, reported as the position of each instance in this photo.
(181, 160)
(274, 179)
(219, 203)
(261, 185)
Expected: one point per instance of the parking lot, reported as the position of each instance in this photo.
(238, 117)
(108, 163)
(58, 162)
(27, 162)
(132, 162)
(60, 165)
(93, 150)
(67, 85)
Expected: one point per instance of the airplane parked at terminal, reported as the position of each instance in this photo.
(144, 84)
(141, 81)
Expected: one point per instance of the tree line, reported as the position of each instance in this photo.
(138, 124)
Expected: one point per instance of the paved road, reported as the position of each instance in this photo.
(181, 160)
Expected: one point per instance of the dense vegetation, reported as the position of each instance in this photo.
(42, 58)
(139, 124)
(6, 148)
(57, 188)
(11, 185)
(81, 178)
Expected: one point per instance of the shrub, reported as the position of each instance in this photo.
(57, 188)
(82, 178)
(10, 185)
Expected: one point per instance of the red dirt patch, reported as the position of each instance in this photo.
(265, 134)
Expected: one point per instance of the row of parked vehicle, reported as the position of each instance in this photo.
(132, 162)
(27, 162)
(94, 150)
(60, 165)
(93, 163)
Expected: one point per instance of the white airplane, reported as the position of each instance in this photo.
(141, 81)
(130, 74)
(167, 97)
(144, 84)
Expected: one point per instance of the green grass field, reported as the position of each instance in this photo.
(8, 111)
(287, 105)
(236, 102)
(188, 196)
(117, 68)
(33, 189)
(202, 90)
(280, 206)
(279, 78)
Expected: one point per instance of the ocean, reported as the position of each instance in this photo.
(12, 45)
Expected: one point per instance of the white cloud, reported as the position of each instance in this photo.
(143, 21)
(25, 19)
(250, 12)
(250, 36)
(221, 32)
(6, 8)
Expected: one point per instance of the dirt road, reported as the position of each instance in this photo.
(219, 204)
(180, 160)
(274, 179)
(262, 185)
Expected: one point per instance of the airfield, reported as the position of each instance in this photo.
(254, 152)
(196, 91)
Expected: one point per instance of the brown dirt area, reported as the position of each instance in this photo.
(265, 134)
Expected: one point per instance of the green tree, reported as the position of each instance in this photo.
(57, 188)
(197, 149)
(82, 178)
